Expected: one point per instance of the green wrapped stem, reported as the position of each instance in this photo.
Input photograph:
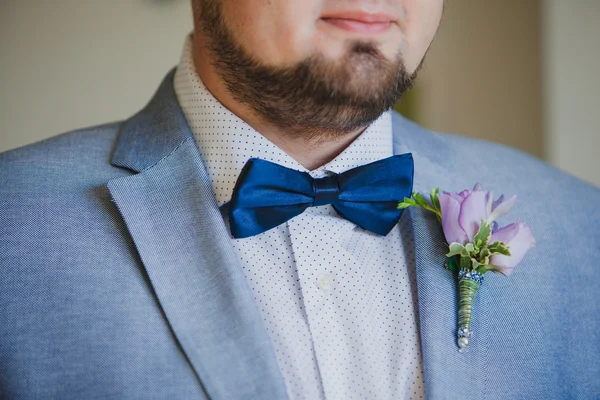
(467, 287)
(468, 284)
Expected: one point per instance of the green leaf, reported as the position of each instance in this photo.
(420, 200)
(453, 264)
(465, 263)
(470, 248)
(475, 264)
(456, 249)
(483, 235)
(434, 198)
(483, 269)
(407, 202)
(499, 248)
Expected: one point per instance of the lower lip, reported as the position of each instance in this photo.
(352, 25)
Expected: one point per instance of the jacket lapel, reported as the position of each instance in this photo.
(172, 216)
(448, 373)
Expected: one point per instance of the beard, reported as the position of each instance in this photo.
(316, 99)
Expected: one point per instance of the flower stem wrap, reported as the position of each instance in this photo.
(468, 284)
(467, 288)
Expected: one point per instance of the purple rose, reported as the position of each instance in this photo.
(519, 239)
(462, 212)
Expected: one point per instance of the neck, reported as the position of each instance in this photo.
(310, 153)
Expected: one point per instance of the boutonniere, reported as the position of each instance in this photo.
(476, 243)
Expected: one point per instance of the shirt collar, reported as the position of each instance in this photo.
(226, 142)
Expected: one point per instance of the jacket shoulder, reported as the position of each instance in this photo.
(70, 148)
(68, 159)
(50, 181)
(479, 158)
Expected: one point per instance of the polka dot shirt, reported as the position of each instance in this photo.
(338, 302)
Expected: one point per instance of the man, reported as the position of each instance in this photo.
(125, 274)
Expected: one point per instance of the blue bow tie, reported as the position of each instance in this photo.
(267, 195)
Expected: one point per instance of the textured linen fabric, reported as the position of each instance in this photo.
(119, 279)
(338, 302)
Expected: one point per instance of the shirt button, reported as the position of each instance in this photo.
(325, 281)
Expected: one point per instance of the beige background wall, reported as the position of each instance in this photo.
(519, 72)
(67, 64)
(571, 33)
(482, 74)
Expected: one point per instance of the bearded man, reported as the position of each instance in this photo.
(161, 258)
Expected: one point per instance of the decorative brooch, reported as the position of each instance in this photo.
(476, 243)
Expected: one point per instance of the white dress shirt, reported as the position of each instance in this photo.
(338, 302)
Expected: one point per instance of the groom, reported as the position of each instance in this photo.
(121, 276)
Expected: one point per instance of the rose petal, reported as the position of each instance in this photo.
(464, 194)
(494, 226)
(450, 211)
(489, 198)
(519, 245)
(501, 209)
(455, 196)
(495, 203)
(477, 187)
(505, 234)
(472, 211)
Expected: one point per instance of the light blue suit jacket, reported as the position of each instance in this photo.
(118, 279)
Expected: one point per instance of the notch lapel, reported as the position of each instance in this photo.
(448, 373)
(179, 233)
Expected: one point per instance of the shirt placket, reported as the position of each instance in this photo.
(320, 263)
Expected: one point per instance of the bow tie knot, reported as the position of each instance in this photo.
(267, 195)
(326, 190)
